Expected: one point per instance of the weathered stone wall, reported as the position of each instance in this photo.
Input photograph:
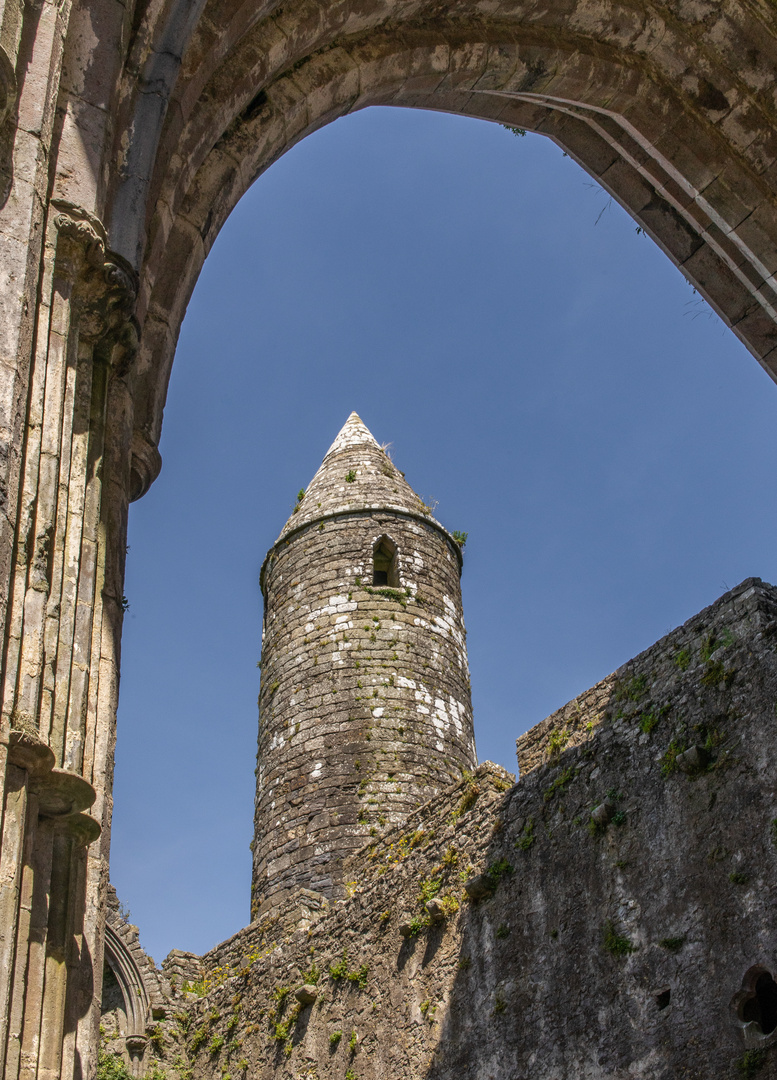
(608, 916)
(128, 132)
(365, 708)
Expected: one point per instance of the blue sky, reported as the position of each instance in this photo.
(541, 370)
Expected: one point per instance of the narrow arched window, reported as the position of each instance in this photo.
(384, 563)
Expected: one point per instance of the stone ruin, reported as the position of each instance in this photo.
(415, 915)
(129, 130)
(364, 708)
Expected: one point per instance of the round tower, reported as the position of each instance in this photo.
(364, 707)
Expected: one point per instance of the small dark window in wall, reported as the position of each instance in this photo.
(384, 563)
(762, 1006)
(663, 997)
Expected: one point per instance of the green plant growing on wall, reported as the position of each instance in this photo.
(111, 1066)
(499, 869)
(449, 905)
(312, 975)
(216, 1044)
(429, 888)
(198, 1038)
(649, 719)
(526, 839)
(281, 1029)
(751, 1063)
(183, 1022)
(669, 758)
(391, 594)
(460, 537)
(672, 944)
(417, 924)
(339, 970)
(352, 1042)
(682, 659)
(156, 1039)
(350, 476)
(716, 673)
(634, 690)
(557, 742)
(183, 1070)
(359, 976)
(334, 1038)
(712, 642)
(614, 943)
(560, 782)
(451, 858)
(469, 797)
(738, 878)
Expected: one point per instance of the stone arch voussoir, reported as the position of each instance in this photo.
(653, 149)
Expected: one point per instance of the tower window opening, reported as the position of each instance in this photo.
(384, 563)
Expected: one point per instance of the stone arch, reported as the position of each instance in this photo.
(128, 132)
(143, 990)
(677, 131)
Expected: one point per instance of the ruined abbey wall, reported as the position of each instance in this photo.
(608, 916)
(128, 132)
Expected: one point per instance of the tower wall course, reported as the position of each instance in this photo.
(365, 708)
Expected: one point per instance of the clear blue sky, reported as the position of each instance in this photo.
(542, 371)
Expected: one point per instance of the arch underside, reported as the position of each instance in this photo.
(130, 980)
(671, 115)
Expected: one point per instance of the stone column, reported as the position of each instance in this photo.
(61, 660)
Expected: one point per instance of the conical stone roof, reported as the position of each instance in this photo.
(356, 474)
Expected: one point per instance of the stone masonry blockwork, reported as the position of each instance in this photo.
(365, 708)
(608, 917)
(128, 132)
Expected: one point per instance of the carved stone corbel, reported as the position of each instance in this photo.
(62, 795)
(28, 751)
(104, 287)
(146, 465)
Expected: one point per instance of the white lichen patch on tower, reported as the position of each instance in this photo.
(365, 706)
